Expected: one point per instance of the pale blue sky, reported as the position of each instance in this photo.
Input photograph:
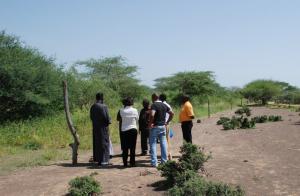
(239, 40)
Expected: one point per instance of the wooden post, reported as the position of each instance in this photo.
(72, 129)
(208, 108)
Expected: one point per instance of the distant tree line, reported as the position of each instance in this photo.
(263, 91)
(31, 83)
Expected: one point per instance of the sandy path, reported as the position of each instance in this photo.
(265, 161)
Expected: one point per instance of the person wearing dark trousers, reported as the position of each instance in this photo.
(101, 120)
(186, 118)
(144, 130)
(128, 116)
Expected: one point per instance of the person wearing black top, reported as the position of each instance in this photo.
(101, 120)
(158, 128)
(144, 120)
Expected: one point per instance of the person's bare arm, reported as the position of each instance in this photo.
(151, 119)
(171, 115)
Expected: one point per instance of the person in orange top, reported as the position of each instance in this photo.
(186, 117)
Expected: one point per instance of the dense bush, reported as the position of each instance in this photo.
(30, 83)
(265, 118)
(192, 159)
(260, 119)
(243, 122)
(238, 122)
(274, 118)
(244, 110)
(198, 186)
(84, 186)
(223, 120)
(184, 178)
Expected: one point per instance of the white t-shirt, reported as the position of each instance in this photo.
(129, 117)
(167, 114)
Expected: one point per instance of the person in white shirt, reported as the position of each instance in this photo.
(128, 116)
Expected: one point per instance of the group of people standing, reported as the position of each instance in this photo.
(152, 123)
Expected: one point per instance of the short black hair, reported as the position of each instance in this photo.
(99, 96)
(163, 97)
(146, 103)
(128, 101)
(185, 98)
(154, 97)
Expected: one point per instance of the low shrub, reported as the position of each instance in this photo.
(260, 119)
(198, 186)
(184, 178)
(84, 186)
(239, 123)
(192, 159)
(244, 110)
(275, 118)
(223, 120)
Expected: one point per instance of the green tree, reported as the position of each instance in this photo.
(196, 84)
(262, 90)
(29, 81)
(115, 73)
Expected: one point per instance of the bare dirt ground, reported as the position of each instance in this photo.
(264, 161)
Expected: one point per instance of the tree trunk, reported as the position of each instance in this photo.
(208, 108)
(72, 129)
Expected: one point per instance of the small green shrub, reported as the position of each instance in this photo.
(184, 178)
(223, 120)
(260, 119)
(247, 124)
(192, 158)
(244, 110)
(198, 186)
(274, 118)
(84, 186)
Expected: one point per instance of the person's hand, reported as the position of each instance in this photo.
(151, 126)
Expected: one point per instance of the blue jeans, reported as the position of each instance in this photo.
(160, 133)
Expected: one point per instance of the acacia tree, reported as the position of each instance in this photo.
(116, 74)
(262, 90)
(196, 84)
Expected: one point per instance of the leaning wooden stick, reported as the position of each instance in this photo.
(72, 129)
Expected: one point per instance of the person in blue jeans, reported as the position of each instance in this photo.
(158, 128)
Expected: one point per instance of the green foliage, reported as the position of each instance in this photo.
(198, 85)
(244, 110)
(233, 123)
(198, 186)
(32, 145)
(261, 119)
(29, 81)
(84, 186)
(192, 159)
(247, 124)
(184, 178)
(238, 122)
(262, 90)
(265, 118)
(275, 118)
(116, 74)
(223, 120)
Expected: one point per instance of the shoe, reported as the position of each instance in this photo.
(143, 153)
